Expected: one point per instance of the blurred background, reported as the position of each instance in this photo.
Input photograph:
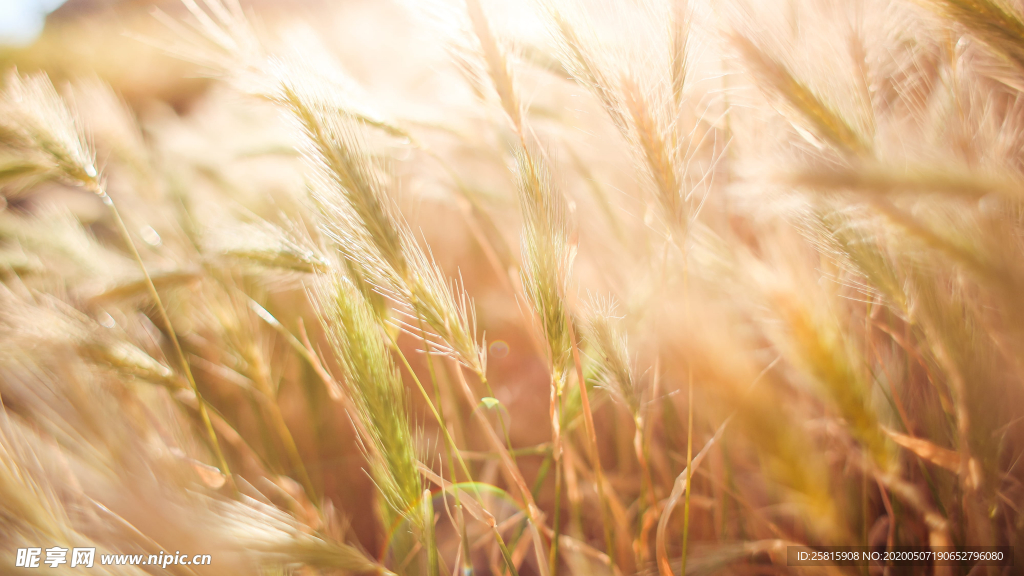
(834, 321)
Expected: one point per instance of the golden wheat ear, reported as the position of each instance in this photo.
(997, 24)
(813, 117)
(376, 389)
(547, 255)
(351, 190)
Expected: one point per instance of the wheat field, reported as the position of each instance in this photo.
(471, 287)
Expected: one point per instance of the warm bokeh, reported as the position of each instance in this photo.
(661, 286)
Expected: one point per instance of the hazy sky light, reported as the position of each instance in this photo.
(22, 20)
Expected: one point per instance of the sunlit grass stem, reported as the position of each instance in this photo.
(222, 463)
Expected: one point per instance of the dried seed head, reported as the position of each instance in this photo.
(609, 350)
(37, 118)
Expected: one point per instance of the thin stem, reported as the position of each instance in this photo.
(588, 420)
(689, 427)
(428, 527)
(451, 444)
(647, 499)
(467, 567)
(303, 348)
(203, 413)
(285, 434)
(556, 420)
(260, 375)
(515, 476)
(689, 468)
(556, 524)
(430, 405)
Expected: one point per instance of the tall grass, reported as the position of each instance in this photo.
(573, 288)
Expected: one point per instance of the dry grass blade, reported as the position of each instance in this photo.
(678, 489)
(879, 180)
(135, 288)
(264, 245)
(941, 457)
(278, 539)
